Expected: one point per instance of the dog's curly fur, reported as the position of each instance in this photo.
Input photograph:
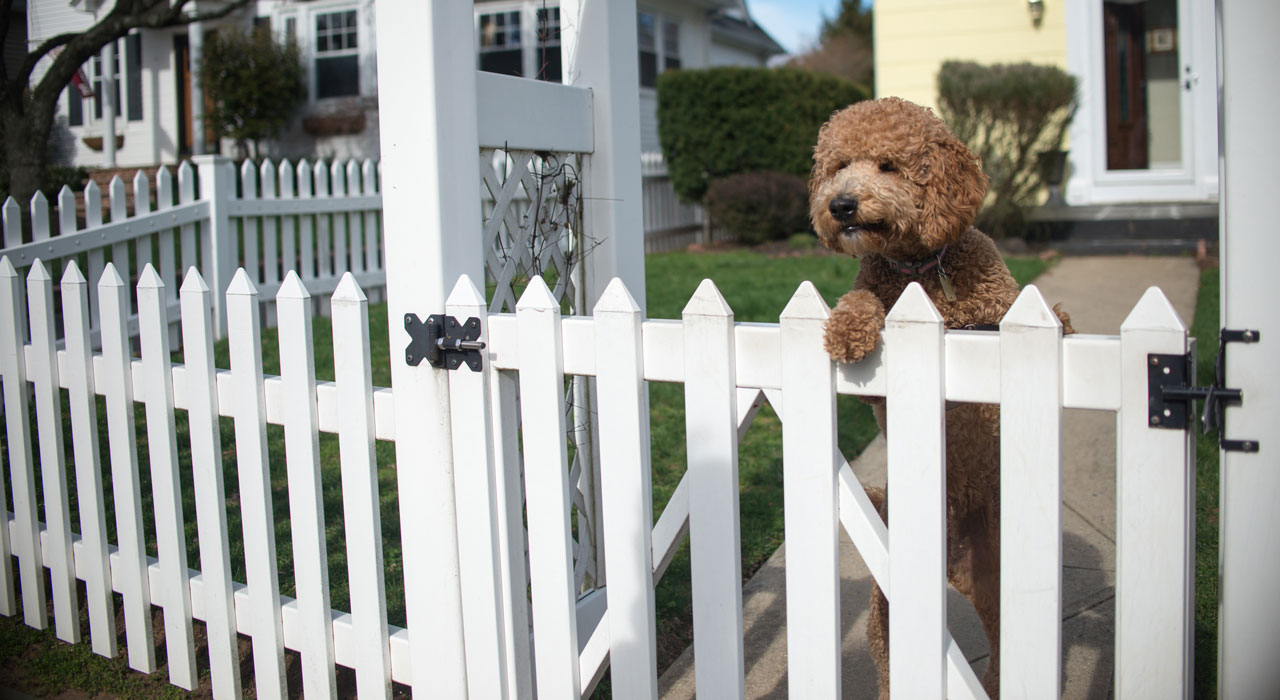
(907, 188)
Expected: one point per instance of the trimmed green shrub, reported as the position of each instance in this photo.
(256, 85)
(759, 207)
(723, 121)
(1008, 114)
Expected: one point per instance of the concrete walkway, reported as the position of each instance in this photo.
(1098, 292)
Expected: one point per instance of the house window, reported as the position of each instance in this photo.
(647, 38)
(130, 88)
(337, 54)
(547, 66)
(500, 49)
(670, 46)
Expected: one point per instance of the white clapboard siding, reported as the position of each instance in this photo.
(174, 593)
(79, 377)
(360, 500)
(547, 492)
(474, 491)
(711, 429)
(627, 493)
(306, 497)
(913, 352)
(811, 501)
(53, 463)
(1155, 502)
(257, 514)
(1031, 499)
(126, 490)
(25, 541)
(210, 491)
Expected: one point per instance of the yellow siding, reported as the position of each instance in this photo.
(914, 37)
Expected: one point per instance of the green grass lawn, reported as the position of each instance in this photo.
(1205, 329)
(756, 286)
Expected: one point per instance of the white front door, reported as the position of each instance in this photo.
(1146, 130)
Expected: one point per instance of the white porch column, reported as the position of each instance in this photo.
(598, 49)
(1249, 622)
(195, 57)
(431, 220)
(108, 98)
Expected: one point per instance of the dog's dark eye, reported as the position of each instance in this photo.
(888, 167)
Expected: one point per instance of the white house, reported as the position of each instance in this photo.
(156, 93)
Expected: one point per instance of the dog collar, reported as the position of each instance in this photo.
(918, 268)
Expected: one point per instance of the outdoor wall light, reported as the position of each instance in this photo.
(1036, 8)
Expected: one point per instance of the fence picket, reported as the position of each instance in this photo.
(288, 222)
(270, 242)
(357, 224)
(66, 212)
(12, 212)
(249, 224)
(309, 263)
(168, 265)
(547, 492)
(187, 234)
(120, 251)
(324, 231)
(341, 249)
(508, 469)
(257, 514)
(94, 562)
(360, 501)
(141, 206)
(913, 352)
(1155, 497)
(627, 494)
(811, 500)
(39, 217)
(372, 230)
(26, 544)
(477, 523)
(1031, 501)
(125, 484)
(173, 591)
(306, 499)
(208, 484)
(56, 551)
(711, 428)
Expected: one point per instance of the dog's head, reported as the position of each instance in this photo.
(889, 178)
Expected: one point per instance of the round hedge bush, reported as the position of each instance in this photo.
(759, 207)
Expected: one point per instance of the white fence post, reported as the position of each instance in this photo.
(915, 428)
(218, 187)
(1031, 501)
(1154, 506)
(430, 188)
(711, 428)
(811, 502)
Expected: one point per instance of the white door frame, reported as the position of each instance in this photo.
(1090, 181)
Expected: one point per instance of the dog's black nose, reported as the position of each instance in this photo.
(843, 208)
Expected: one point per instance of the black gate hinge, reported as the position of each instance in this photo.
(444, 342)
(1171, 393)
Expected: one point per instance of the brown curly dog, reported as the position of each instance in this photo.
(894, 188)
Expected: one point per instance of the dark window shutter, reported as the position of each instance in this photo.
(133, 75)
(75, 107)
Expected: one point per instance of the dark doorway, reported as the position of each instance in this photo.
(1124, 42)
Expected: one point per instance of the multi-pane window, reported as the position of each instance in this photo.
(127, 85)
(500, 46)
(337, 54)
(547, 56)
(670, 45)
(658, 39)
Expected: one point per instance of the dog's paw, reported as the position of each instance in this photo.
(853, 330)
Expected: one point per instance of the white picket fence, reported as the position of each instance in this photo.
(728, 369)
(669, 224)
(322, 219)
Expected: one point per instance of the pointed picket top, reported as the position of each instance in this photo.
(91, 189)
(348, 290)
(110, 277)
(66, 198)
(249, 179)
(1030, 310)
(141, 184)
(38, 272)
(353, 175)
(616, 299)
(241, 285)
(806, 304)
(116, 185)
(72, 275)
(303, 171)
(1153, 312)
(267, 169)
(164, 178)
(39, 200)
(370, 181)
(707, 301)
(6, 267)
(537, 296)
(338, 174)
(150, 279)
(913, 307)
(292, 287)
(192, 282)
(465, 293)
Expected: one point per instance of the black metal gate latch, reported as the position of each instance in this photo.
(1171, 393)
(443, 342)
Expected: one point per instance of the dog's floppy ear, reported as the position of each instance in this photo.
(954, 193)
